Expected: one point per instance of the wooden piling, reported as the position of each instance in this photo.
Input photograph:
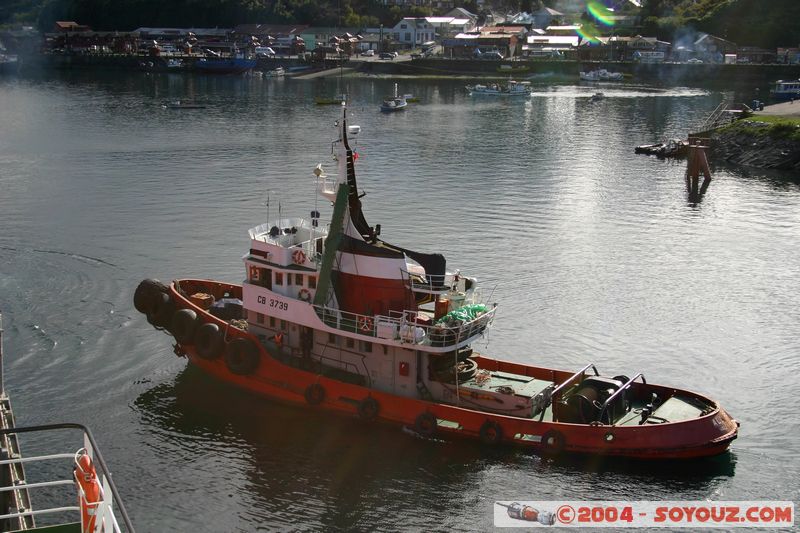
(697, 163)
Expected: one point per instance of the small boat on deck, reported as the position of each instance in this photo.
(336, 318)
(95, 505)
(510, 88)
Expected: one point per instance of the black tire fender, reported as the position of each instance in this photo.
(208, 341)
(553, 442)
(368, 409)
(425, 424)
(491, 432)
(241, 356)
(160, 310)
(315, 394)
(184, 326)
(144, 294)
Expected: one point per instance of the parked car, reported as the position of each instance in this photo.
(368, 53)
(264, 51)
(386, 55)
(695, 60)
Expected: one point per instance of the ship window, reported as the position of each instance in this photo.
(331, 338)
(283, 325)
(278, 278)
(298, 280)
(312, 282)
(385, 349)
(366, 347)
(259, 318)
(350, 342)
(272, 321)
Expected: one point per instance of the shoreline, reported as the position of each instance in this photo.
(773, 142)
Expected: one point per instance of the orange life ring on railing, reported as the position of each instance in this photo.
(299, 257)
(365, 323)
(304, 295)
(89, 494)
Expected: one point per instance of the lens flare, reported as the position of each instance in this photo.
(601, 13)
(589, 32)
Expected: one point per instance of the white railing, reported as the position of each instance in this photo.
(407, 326)
(105, 516)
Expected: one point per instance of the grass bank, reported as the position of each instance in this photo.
(774, 127)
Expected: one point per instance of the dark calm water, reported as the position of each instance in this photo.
(592, 253)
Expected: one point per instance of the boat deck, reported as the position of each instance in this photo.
(502, 381)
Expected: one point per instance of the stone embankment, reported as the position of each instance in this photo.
(756, 144)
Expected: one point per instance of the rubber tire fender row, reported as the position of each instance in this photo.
(160, 309)
(368, 409)
(425, 424)
(208, 341)
(241, 356)
(184, 326)
(314, 394)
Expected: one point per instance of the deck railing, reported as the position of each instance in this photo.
(407, 326)
(105, 511)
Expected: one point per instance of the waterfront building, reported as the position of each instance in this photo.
(411, 32)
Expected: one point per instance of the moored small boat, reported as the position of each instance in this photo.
(394, 103)
(786, 90)
(336, 100)
(601, 75)
(182, 105)
(511, 88)
(336, 318)
(277, 72)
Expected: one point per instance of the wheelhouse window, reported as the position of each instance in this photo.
(298, 280)
(278, 278)
(350, 343)
(312, 282)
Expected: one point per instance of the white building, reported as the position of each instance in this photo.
(413, 32)
(444, 26)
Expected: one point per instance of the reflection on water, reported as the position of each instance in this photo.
(342, 473)
(591, 252)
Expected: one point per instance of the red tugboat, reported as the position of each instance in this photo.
(339, 319)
